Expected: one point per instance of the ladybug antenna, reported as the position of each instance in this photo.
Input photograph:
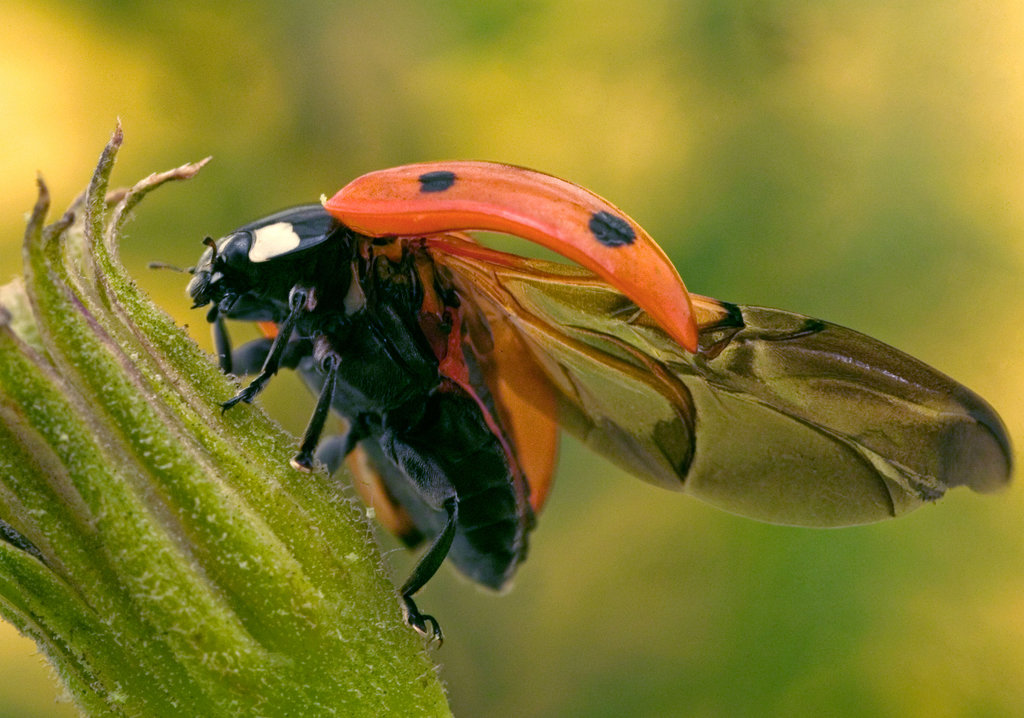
(208, 241)
(172, 267)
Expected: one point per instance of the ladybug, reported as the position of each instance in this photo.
(455, 365)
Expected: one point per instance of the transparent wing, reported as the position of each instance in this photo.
(778, 417)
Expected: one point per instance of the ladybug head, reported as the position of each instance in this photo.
(221, 270)
(248, 273)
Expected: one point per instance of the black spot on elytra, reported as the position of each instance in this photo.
(610, 230)
(437, 181)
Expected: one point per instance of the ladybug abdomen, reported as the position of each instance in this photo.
(451, 452)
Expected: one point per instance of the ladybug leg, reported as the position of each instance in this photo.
(250, 357)
(14, 537)
(332, 451)
(296, 305)
(222, 345)
(303, 461)
(424, 570)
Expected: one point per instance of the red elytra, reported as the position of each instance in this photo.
(435, 197)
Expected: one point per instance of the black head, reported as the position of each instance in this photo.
(250, 266)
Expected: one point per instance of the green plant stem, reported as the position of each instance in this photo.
(165, 557)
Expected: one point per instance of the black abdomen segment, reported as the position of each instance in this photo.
(451, 451)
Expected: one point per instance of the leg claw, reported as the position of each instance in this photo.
(302, 461)
(247, 395)
(421, 621)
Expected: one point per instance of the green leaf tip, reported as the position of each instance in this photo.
(165, 558)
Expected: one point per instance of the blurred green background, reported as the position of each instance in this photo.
(858, 161)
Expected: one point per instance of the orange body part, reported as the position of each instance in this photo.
(432, 198)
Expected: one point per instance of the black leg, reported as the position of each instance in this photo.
(222, 345)
(304, 459)
(424, 570)
(296, 305)
(251, 356)
(333, 450)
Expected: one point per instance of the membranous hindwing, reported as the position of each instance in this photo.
(781, 417)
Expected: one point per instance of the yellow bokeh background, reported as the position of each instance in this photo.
(858, 161)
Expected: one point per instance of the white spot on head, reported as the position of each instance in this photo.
(273, 241)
